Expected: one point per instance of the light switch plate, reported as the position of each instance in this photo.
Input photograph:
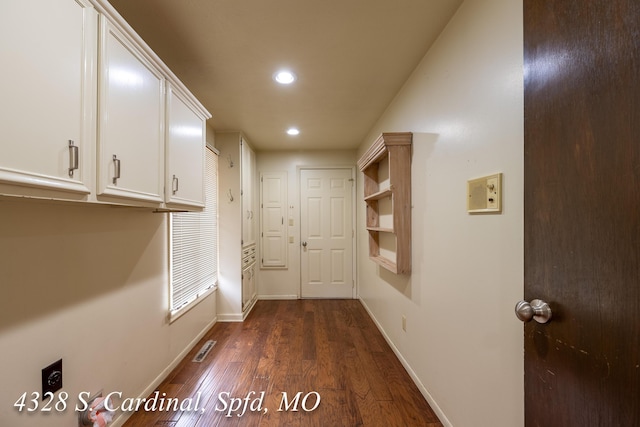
(484, 195)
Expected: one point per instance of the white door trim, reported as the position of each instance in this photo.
(352, 168)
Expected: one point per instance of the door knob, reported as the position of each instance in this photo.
(537, 310)
(304, 244)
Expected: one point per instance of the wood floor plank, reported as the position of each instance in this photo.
(309, 344)
(406, 394)
(372, 411)
(295, 348)
(353, 370)
(326, 357)
(333, 410)
(375, 376)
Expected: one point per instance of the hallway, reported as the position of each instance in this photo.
(331, 347)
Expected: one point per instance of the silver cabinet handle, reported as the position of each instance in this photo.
(73, 157)
(175, 185)
(537, 310)
(116, 164)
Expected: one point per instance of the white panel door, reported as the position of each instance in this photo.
(326, 233)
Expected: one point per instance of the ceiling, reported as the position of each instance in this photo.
(350, 56)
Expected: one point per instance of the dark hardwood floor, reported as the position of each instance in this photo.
(330, 347)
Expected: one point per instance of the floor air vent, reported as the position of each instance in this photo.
(206, 348)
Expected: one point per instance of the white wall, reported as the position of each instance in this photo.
(464, 103)
(285, 283)
(88, 284)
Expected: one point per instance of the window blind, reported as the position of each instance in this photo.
(194, 247)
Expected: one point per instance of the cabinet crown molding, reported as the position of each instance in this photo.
(379, 148)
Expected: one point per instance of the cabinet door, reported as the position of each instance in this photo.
(248, 174)
(252, 284)
(185, 151)
(273, 203)
(246, 285)
(131, 117)
(48, 87)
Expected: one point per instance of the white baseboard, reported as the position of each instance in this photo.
(443, 418)
(123, 417)
(239, 317)
(277, 297)
(230, 317)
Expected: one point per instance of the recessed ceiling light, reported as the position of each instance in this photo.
(284, 77)
(293, 131)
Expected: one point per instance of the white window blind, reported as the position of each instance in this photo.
(194, 247)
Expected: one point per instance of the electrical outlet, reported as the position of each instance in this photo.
(404, 323)
(52, 378)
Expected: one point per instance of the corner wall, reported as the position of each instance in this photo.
(464, 103)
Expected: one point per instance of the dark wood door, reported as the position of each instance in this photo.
(582, 211)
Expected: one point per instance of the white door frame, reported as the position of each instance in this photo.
(354, 256)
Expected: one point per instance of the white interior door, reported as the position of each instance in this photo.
(326, 233)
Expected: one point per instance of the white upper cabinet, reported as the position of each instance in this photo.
(130, 120)
(85, 112)
(184, 181)
(48, 85)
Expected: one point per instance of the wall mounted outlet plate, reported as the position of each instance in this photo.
(484, 195)
(51, 378)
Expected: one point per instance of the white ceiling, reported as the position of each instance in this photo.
(351, 57)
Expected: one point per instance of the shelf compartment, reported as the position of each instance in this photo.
(380, 229)
(386, 263)
(379, 195)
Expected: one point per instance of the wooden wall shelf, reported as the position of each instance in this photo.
(379, 195)
(386, 166)
(382, 229)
